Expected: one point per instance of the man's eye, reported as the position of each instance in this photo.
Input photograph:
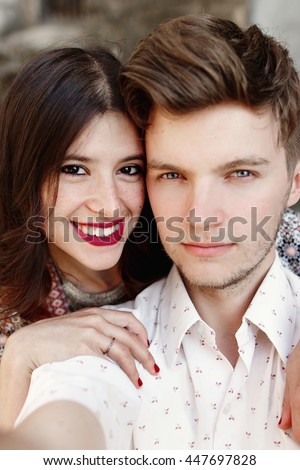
(242, 173)
(170, 176)
(131, 170)
(73, 170)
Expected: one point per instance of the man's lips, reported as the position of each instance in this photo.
(208, 249)
(208, 245)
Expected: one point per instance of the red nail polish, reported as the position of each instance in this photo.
(279, 422)
(156, 368)
(148, 342)
(140, 383)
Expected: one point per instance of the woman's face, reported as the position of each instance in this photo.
(100, 195)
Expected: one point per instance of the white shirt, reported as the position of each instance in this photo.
(198, 400)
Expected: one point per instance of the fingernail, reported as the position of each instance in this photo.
(140, 383)
(279, 422)
(148, 342)
(156, 368)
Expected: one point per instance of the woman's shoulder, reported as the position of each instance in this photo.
(8, 326)
(288, 240)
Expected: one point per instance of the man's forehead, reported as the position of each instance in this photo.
(224, 135)
(223, 116)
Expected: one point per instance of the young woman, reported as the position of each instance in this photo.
(72, 189)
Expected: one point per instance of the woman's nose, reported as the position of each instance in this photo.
(104, 201)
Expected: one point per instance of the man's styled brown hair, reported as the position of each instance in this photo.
(192, 62)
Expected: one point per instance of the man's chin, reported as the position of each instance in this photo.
(205, 278)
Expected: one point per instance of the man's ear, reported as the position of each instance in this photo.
(295, 188)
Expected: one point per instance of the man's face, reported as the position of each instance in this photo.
(218, 182)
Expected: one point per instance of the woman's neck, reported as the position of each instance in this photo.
(85, 278)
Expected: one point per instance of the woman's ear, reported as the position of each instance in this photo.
(295, 187)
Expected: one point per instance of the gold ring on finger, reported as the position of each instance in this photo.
(109, 346)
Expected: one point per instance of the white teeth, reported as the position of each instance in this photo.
(97, 231)
(109, 230)
(84, 229)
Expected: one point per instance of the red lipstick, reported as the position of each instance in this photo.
(100, 234)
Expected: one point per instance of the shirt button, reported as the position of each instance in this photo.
(226, 409)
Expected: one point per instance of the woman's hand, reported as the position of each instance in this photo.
(291, 402)
(89, 331)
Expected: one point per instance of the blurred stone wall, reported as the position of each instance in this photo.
(27, 26)
(282, 19)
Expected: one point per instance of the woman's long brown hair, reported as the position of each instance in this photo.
(49, 103)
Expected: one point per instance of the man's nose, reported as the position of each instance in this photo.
(205, 206)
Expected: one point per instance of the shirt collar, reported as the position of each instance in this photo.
(273, 308)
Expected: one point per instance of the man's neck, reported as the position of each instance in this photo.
(223, 309)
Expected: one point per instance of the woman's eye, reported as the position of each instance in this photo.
(170, 176)
(131, 170)
(73, 170)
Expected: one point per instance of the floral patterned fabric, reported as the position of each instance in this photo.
(288, 241)
(56, 303)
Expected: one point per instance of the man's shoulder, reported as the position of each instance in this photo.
(294, 283)
(146, 299)
(150, 296)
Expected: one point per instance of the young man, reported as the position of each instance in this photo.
(220, 108)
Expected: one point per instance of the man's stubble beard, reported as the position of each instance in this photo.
(239, 278)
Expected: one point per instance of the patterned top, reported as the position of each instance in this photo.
(198, 400)
(63, 298)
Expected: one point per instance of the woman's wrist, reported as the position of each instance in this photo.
(15, 375)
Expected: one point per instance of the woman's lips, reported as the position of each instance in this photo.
(100, 234)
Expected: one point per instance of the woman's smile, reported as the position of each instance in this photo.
(100, 234)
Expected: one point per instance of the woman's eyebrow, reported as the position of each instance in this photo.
(78, 158)
(83, 159)
(139, 156)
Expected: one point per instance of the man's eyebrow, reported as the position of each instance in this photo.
(241, 162)
(238, 162)
(157, 165)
